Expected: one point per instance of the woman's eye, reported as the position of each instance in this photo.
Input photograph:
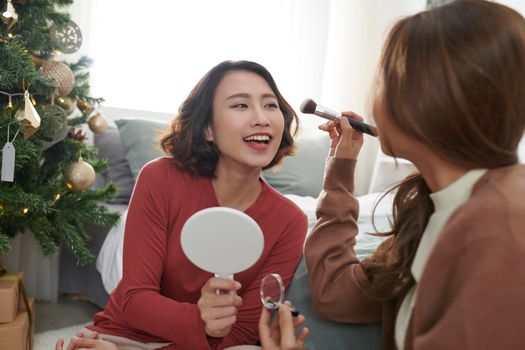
(240, 106)
(271, 105)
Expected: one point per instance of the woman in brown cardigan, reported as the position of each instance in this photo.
(450, 97)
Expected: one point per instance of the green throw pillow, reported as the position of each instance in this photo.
(139, 137)
(302, 174)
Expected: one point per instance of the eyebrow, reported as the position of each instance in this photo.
(245, 95)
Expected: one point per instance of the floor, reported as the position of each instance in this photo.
(68, 311)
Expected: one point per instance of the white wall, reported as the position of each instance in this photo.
(518, 5)
(521, 151)
(353, 51)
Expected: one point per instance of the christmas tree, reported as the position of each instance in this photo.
(47, 168)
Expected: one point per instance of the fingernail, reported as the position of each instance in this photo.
(237, 285)
(294, 311)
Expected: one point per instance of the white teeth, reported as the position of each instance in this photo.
(257, 138)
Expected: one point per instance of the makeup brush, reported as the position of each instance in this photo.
(309, 106)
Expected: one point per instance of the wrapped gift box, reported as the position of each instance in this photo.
(31, 302)
(9, 297)
(19, 333)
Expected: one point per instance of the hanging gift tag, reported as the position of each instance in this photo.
(8, 162)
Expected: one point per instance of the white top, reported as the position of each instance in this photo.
(445, 202)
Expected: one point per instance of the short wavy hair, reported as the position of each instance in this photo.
(185, 138)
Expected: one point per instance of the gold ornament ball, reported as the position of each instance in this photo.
(79, 175)
(67, 103)
(61, 74)
(97, 123)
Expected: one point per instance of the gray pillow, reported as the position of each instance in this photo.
(326, 334)
(302, 174)
(111, 148)
(139, 137)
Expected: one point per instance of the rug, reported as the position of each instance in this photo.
(47, 340)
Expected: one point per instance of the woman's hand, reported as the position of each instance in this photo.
(218, 311)
(279, 334)
(79, 342)
(345, 141)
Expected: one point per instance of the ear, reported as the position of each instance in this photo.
(208, 133)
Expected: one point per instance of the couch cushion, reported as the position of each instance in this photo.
(326, 334)
(111, 148)
(302, 174)
(139, 137)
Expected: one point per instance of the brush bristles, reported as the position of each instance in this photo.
(308, 106)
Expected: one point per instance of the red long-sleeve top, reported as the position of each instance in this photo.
(156, 299)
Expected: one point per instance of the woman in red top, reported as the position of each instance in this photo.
(233, 124)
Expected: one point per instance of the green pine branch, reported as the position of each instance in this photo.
(4, 243)
(16, 68)
(39, 202)
(34, 20)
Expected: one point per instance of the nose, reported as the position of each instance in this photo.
(260, 118)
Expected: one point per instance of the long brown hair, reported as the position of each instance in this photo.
(185, 139)
(453, 78)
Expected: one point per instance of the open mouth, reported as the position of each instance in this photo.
(258, 139)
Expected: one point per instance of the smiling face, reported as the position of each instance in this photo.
(247, 124)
